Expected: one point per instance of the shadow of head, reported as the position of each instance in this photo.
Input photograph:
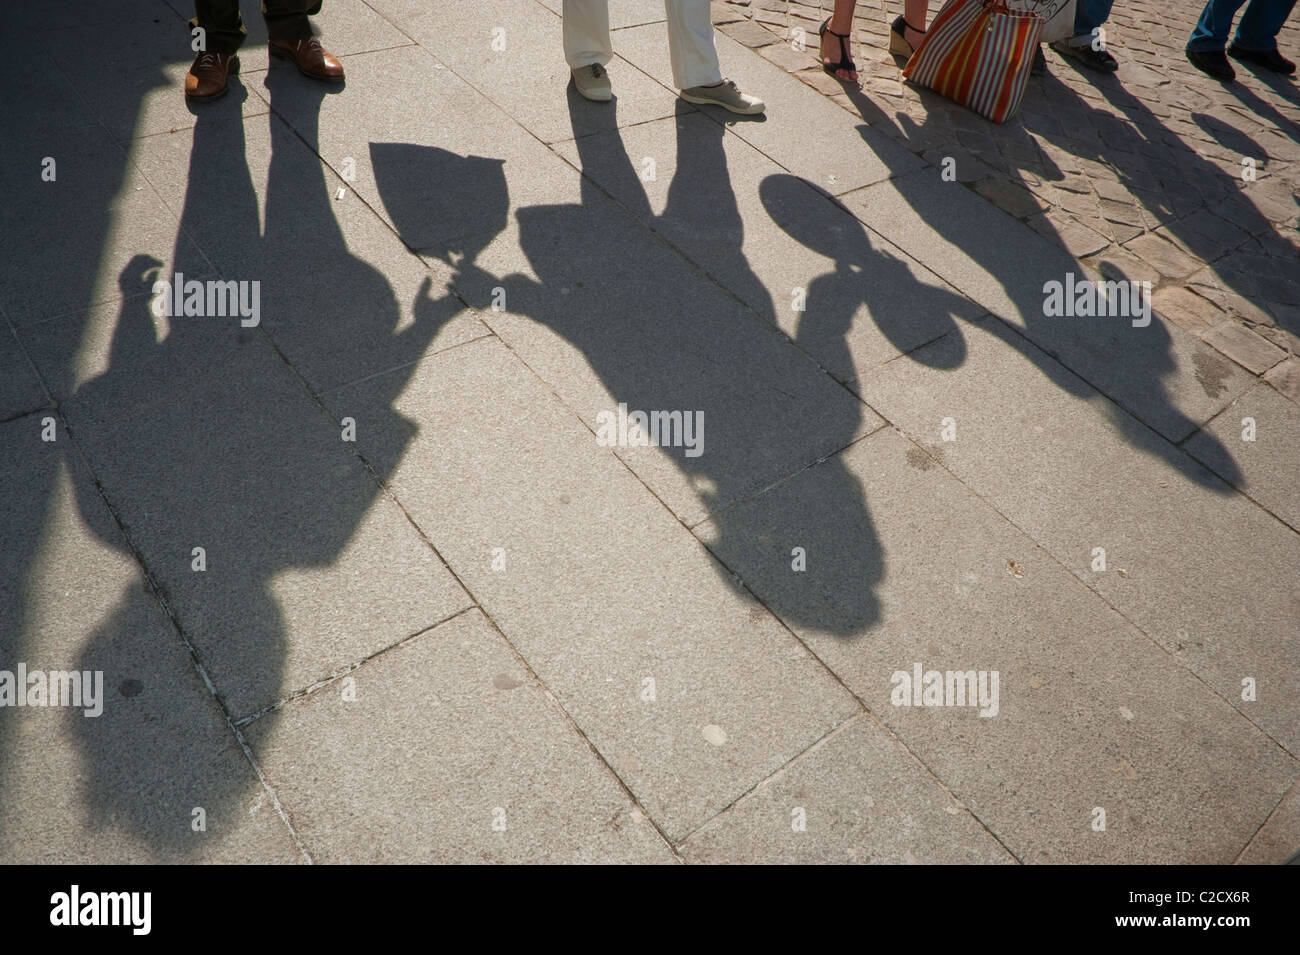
(900, 303)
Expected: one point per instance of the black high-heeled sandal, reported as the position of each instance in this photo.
(845, 63)
(898, 44)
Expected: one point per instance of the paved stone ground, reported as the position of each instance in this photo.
(365, 582)
(1140, 172)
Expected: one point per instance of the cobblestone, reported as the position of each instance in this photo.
(1151, 160)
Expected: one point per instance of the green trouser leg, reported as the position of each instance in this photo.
(287, 19)
(224, 26)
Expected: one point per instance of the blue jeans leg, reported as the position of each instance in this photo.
(1088, 15)
(1212, 28)
(1259, 25)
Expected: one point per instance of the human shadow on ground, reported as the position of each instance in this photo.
(661, 337)
(1282, 84)
(203, 436)
(1173, 185)
(55, 242)
(1253, 276)
(1128, 364)
(1079, 355)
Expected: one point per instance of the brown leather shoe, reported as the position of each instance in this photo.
(311, 58)
(207, 77)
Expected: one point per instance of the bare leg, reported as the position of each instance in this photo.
(841, 22)
(915, 13)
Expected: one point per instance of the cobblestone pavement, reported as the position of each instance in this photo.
(1141, 172)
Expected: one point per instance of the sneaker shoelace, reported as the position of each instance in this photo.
(597, 71)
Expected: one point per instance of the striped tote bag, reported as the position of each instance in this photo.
(978, 53)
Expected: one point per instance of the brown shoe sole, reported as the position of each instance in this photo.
(286, 55)
(232, 68)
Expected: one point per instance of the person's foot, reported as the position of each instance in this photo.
(593, 83)
(1269, 59)
(208, 76)
(903, 37)
(835, 52)
(1099, 60)
(1213, 63)
(310, 57)
(727, 95)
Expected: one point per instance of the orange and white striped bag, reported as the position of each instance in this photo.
(978, 53)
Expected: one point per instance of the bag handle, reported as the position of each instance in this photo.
(1001, 6)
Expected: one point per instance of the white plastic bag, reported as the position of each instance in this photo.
(1058, 16)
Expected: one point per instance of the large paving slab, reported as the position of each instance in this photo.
(435, 159)
(153, 55)
(99, 212)
(72, 350)
(528, 78)
(362, 304)
(684, 684)
(1090, 713)
(61, 14)
(1264, 450)
(139, 90)
(1278, 840)
(1190, 561)
(608, 315)
(846, 297)
(42, 98)
(1165, 376)
(308, 567)
(21, 390)
(858, 796)
(801, 130)
(122, 786)
(448, 751)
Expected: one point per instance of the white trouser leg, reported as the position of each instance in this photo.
(690, 43)
(586, 32)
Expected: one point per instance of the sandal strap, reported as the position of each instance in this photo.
(845, 63)
(826, 28)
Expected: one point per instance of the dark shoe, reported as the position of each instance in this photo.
(898, 44)
(1039, 66)
(1269, 59)
(310, 57)
(1213, 63)
(207, 77)
(1099, 60)
(845, 64)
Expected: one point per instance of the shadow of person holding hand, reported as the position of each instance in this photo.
(204, 437)
(658, 343)
(1117, 355)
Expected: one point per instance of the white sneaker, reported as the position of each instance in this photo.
(727, 95)
(593, 82)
